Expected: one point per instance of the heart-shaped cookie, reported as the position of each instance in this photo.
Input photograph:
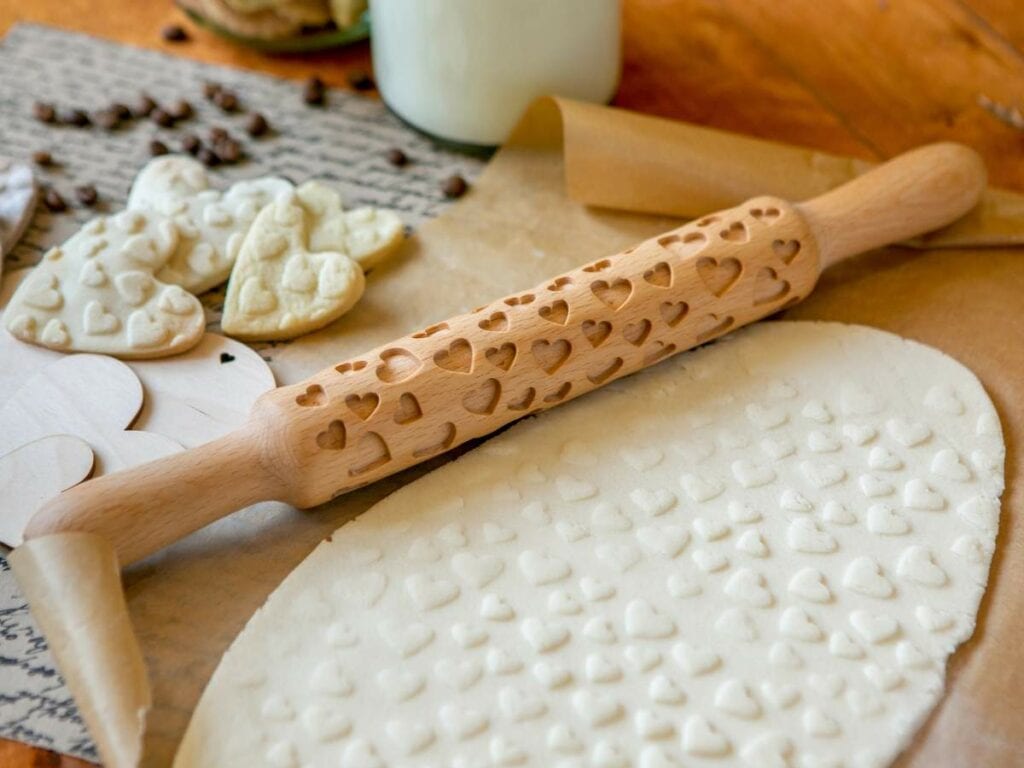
(97, 293)
(610, 627)
(280, 287)
(17, 202)
(367, 235)
(211, 224)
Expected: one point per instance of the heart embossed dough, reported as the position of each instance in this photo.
(97, 293)
(704, 588)
(279, 288)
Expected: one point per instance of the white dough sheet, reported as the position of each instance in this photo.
(758, 553)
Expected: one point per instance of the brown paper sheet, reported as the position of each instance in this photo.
(516, 228)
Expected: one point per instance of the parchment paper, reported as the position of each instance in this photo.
(517, 227)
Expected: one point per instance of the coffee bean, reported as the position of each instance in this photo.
(87, 195)
(208, 157)
(226, 100)
(211, 89)
(191, 143)
(162, 117)
(122, 111)
(181, 110)
(75, 117)
(144, 106)
(229, 151)
(454, 186)
(106, 119)
(174, 33)
(313, 91)
(44, 113)
(157, 148)
(397, 157)
(218, 134)
(360, 80)
(42, 158)
(54, 202)
(257, 125)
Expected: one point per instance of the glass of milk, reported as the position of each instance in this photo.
(464, 70)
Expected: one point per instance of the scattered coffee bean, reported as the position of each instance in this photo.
(42, 158)
(397, 157)
(257, 125)
(157, 148)
(218, 134)
(181, 110)
(211, 89)
(162, 117)
(454, 186)
(54, 202)
(208, 157)
(313, 91)
(144, 106)
(121, 110)
(87, 195)
(174, 33)
(360, 80)
(191, 143)
(44, 113)
(229, 151)
(75, 117)
(106, 119)
(226, 100)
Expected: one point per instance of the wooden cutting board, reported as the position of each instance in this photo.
(886, 78)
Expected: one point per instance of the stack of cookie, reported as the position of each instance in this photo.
(126, 284)
(276, 19)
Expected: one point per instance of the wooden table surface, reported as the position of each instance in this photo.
(864, 77)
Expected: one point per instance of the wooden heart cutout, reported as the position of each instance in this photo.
(551, 354)
(769, 287)
(786, 250)
(501, 357)
(484, 399)
(557, 312)
(596, 331)
(613, 294)
(719, 276)
(458, 357)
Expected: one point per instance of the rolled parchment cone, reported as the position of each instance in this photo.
(418, 396)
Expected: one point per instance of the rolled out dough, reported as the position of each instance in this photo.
(758, 553)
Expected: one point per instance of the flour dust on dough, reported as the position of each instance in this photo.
(760, 553)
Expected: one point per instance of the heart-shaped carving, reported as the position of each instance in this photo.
(598, 266)
(371, 453)
(673, 312)
(613, 294)
(719, 276)
(560, 283)
(596, 331)
(524, 401)
(290, 289)
(484, 399)
(442, 442)
(605, 371)
(408, 409)
(551, 354)
(712, 325)
(786, 249)
(637, 333)
(313, 396)
(660, 275)
(658, 350)
(559, 394)
(332, 438)
(765, 214)
(517, 301)
(363, 406)
(501, 357)
(556, 312)
(352, 367)
(397, 365)
(458, 357)
(735, 232)
(768, 287)
(428, 332)
(497, 322)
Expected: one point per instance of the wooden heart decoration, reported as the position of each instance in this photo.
(719, 276)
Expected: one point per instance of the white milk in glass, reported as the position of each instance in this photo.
(464, 70)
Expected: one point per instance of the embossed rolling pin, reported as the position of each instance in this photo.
(418, 396)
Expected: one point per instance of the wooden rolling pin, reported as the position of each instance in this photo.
(463, 378)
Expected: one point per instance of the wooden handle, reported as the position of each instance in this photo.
(916, 192)
(418, 396)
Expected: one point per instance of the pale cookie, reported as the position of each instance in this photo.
(17, 201)
(211, 224)
(97, 293)
(279, 287)
(368, 235)
(568, 593)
